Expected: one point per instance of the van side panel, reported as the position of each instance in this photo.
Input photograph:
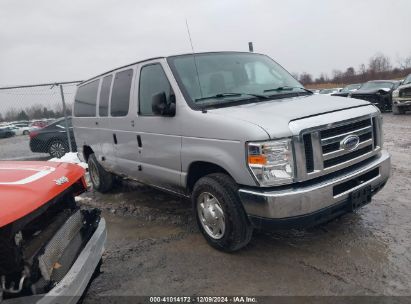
(122, 133)
(84, 128)
(160, 142)
(160, 154)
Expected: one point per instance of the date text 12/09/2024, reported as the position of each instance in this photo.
(199, 299)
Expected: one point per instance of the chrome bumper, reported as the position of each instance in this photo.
(74, 283)
(297, 201)
(402, 101)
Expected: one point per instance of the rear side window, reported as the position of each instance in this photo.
(104, 95)
(85, 102)
(120, 96)
(62, 124)
(153, 80)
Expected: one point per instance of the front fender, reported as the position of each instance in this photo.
(228, 154)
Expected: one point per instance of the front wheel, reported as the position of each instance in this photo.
(396, 110)
(101, 179)
(220, 214)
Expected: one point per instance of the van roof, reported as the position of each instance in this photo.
(124, 66)
(160, 57)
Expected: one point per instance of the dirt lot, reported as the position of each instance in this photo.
(18, 148)
(154, 247)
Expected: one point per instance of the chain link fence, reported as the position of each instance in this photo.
(35, 121)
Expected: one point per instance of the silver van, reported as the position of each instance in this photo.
(237, 134)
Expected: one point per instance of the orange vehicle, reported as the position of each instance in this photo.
(48, 245)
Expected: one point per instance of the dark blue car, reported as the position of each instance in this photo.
(52, 139)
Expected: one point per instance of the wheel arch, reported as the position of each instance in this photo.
(87, 151)
(199, 169)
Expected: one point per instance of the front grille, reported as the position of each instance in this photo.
(345, 128)
(309, 157)
(405, 92)
(348, 185)
(331, 152)
(343, 158)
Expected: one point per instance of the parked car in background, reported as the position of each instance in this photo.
(239, 135)
(20, 128)
(378, 92)
(52, 139)
(347, 90)
(6, 132)
(315, 91)
(401, 97)
(39, 124)
(329, 91)
(23, 128)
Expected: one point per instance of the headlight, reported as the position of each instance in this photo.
(271, 162)
(396, 93)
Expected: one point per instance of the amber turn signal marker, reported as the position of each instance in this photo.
(257, 160)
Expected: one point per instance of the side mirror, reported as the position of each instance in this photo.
(160, 106)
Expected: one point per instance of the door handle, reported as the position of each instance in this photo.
(115, 139)
(139, 143)
(96, 123)
(132, 123)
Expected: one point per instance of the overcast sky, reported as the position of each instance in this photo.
(52, 40)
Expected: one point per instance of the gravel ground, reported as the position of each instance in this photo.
(17, 147)
(154, 247)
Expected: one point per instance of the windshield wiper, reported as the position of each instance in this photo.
(220, 95)
(287, 88)
(224, 95)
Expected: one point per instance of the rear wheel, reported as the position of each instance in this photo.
(101, 179)
(57, 148)
(220, 214)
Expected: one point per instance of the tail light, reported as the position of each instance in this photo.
(33, 134)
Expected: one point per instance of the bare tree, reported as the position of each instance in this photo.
(404, 63)
(337, 76)
(379, 63)
(306, 78)
(11, 114)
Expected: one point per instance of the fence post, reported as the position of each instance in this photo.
(65, 118)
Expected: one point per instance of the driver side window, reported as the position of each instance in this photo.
(153, 80)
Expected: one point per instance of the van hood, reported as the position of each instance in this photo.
(273, 116)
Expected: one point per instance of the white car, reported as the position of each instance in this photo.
(20, 129)
(329, 91)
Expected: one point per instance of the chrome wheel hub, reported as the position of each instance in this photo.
(211, 215)
(57, 149)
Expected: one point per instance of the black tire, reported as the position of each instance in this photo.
(101, 179)
(57, 148)
(237, 228)
(26, 132)
(396, 110)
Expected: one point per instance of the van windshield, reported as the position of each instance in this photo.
(215, 79)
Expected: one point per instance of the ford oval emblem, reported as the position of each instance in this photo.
(350, 142)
